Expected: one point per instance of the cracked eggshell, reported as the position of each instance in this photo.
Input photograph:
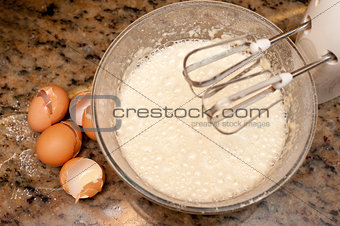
(87, 123)
(39, 115)
(47, 107)
(78, 136)
(81, 178)
(58, 144)
(78, 106)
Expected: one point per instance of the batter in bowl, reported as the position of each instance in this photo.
(184, 157)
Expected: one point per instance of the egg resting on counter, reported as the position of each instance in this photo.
(47, 107)
(82, 178)
(78, 105)
(80, 112)
(58, 144)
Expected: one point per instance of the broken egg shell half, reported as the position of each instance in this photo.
(87, 123)
(78, 105)
(58, 144)
(48, 106)
(82, 178)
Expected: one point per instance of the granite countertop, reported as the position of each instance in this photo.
(60, 42)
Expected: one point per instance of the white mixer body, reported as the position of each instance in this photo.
(324, 36)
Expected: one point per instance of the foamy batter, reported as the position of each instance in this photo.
(179, 161)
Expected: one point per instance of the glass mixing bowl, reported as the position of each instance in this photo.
(203, 20)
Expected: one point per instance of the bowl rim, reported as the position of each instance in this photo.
(189, 208)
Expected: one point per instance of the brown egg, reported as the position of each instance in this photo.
(81, 178)
(78, 105)
(58, 144)
(47, 107)
(87, 123)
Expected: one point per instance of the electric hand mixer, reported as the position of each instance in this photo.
(318, 14)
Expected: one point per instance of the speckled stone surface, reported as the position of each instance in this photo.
(61, 42)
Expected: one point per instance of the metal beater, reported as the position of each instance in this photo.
(255, 49)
